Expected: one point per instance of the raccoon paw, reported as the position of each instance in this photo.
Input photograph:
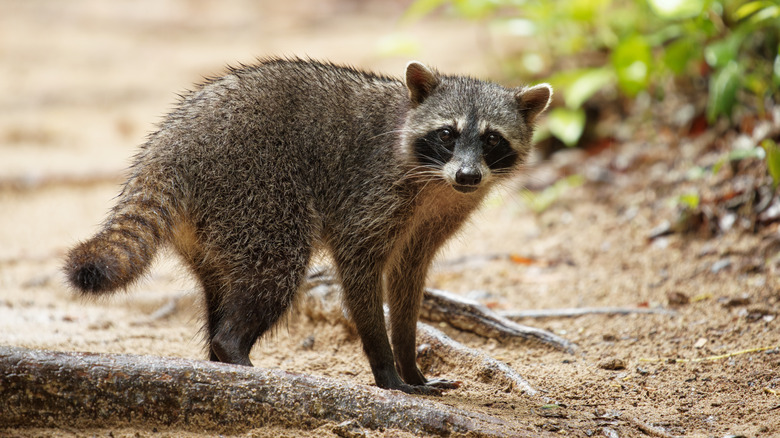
(431, 387)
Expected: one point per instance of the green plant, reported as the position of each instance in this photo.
(772, 160)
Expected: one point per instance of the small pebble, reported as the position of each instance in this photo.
(677, 298)
(720, 265)
(741, 300)
(308, 342)
(612, 364)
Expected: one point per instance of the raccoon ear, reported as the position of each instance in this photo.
(421, 81)
(533, 100)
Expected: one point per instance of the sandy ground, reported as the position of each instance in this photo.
(82, 82)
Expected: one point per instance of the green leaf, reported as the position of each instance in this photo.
(567, 124)
(689, 200)
(585, 10)
(744, 154)
(632, 59)
(679, 54)
(766, 13)
(723, 86)
(750, 8)
(776, 70)
(585, 84)
(721, 52)
(677, 9)
(738, 155)
(772, 160)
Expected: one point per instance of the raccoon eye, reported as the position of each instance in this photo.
(493, 139)
(446, 135)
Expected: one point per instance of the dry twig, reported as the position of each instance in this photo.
(649, 430)
(580, 311)
(712, 358)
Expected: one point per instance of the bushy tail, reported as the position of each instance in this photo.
(122, 251)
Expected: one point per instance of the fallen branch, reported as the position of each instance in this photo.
(57, 389)
(580, 311)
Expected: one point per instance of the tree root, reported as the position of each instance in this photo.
(58, 389)
(435, 346)
(469, 315)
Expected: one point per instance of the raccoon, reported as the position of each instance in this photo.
(255, 171)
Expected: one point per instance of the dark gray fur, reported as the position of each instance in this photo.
(255, 171)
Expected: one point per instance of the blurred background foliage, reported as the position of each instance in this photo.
(629, 49)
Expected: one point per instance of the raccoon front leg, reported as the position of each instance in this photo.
(405, 290)
(361, 279)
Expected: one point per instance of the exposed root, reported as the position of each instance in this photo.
(469, 315)
(435, 345)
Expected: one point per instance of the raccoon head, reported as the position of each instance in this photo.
(468, 132)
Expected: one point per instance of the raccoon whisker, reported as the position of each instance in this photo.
(438, 161)
(426, 181)
(508, 154)
(439, 149)
(518, 168)
(442, 153)
(424, 177)
(420, 192)
(426, 169)
(424, 174)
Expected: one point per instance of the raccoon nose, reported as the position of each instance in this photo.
(468, 176)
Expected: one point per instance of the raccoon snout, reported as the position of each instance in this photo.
(468, 176)
(467, 179)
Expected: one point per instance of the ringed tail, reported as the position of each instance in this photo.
(122, 251)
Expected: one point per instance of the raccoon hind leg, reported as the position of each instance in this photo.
(245, 301)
